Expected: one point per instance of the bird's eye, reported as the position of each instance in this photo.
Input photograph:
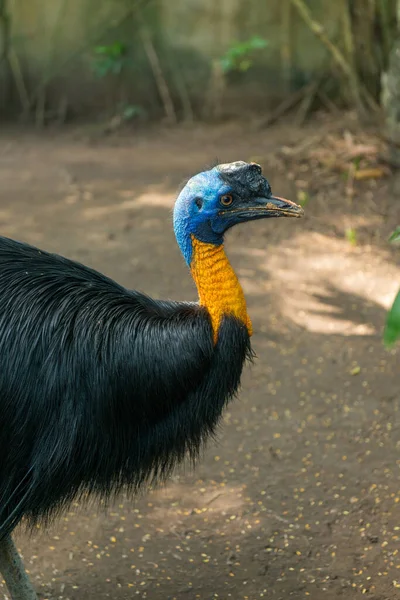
(199, 203)
(226, 199)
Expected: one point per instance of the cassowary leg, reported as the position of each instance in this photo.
(13, 571)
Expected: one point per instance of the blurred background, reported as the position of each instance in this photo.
(106, 107)
(190, 60)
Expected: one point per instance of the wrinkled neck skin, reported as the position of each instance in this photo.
(217, 284)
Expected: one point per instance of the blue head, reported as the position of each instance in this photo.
(214, 201)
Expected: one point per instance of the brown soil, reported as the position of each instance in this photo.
(301, 496)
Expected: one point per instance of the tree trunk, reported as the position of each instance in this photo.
(4, 65)
(366, 45)
(390, 94)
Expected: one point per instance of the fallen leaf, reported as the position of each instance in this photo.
(355, 370)
(373, 173)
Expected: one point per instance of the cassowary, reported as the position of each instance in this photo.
(103, 388)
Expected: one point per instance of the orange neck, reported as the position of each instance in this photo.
(217, 284)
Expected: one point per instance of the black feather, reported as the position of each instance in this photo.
(101, 388)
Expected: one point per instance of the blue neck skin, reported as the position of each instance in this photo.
(190, 220)
(203, 234)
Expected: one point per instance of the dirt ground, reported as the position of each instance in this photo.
(300, 498)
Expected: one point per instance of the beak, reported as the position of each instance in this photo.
(262, 208)
(278, 207)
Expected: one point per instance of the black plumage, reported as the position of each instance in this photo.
(101, 387)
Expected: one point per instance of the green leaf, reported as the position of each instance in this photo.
(226, 64)
(237, 56)
(130, 111)
(351, 235)
(258, 43)
(236, 51)
(395, 236)
(102, 68)
(244, 65)
(101, 49)
(303, 198)
(392, 327)
(117, 49)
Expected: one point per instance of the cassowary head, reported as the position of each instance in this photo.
(214, 201)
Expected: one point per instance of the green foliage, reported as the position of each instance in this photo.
(109, 59)
(130, 111)
(351, 235)
(391, 333)
(395, 237)
(238, 57)
(392, 328)
(303, 198)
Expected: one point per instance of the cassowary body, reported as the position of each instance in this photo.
(103, 388)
